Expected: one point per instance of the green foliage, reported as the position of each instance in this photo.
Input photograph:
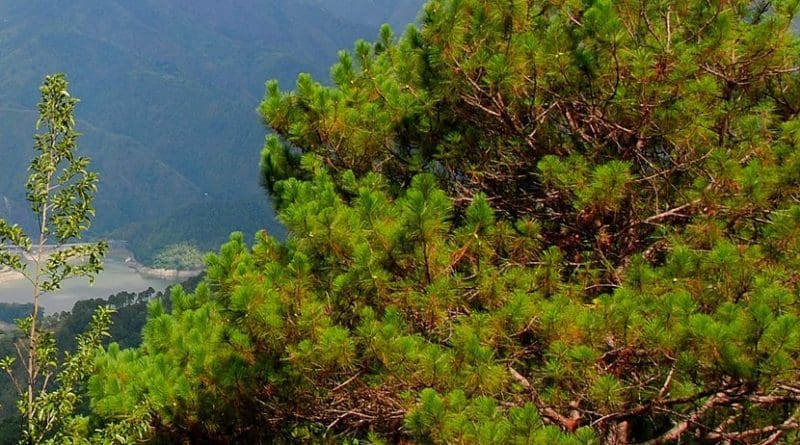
(372, 300)
(60, 190)
(526, 222)
(54, 410)
(128, 319)
(601, 119)
(183, 256)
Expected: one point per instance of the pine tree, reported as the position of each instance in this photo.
(603, 120)
(525, 222)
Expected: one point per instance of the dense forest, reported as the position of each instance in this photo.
(520, 222)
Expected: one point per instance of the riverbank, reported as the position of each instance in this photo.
(163, 274)
(115, 277)
(121, 272)
(123, 254)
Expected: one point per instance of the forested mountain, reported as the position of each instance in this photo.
(397, 13)
(169, 90)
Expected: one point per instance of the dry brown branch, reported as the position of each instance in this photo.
(568, 423)
(740, 436)
(680, 428)
(671, 212)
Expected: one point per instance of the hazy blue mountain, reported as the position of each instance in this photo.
(168, 92)
(397, 13)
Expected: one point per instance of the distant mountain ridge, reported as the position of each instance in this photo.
(168, 91)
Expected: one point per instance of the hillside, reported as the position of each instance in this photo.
(168, 94)
(397, 13)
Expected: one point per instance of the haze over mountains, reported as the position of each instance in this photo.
(168, 93)
(397, 13)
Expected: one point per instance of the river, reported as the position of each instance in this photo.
(116, 277)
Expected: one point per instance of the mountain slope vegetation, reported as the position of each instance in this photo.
(169, 90)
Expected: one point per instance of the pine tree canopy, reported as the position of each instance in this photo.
(524, 222)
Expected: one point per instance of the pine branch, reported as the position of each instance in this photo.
(567, 423)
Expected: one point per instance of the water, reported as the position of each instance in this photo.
(116, 277)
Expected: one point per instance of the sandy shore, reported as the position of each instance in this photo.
(164, 274)
(122, 254)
